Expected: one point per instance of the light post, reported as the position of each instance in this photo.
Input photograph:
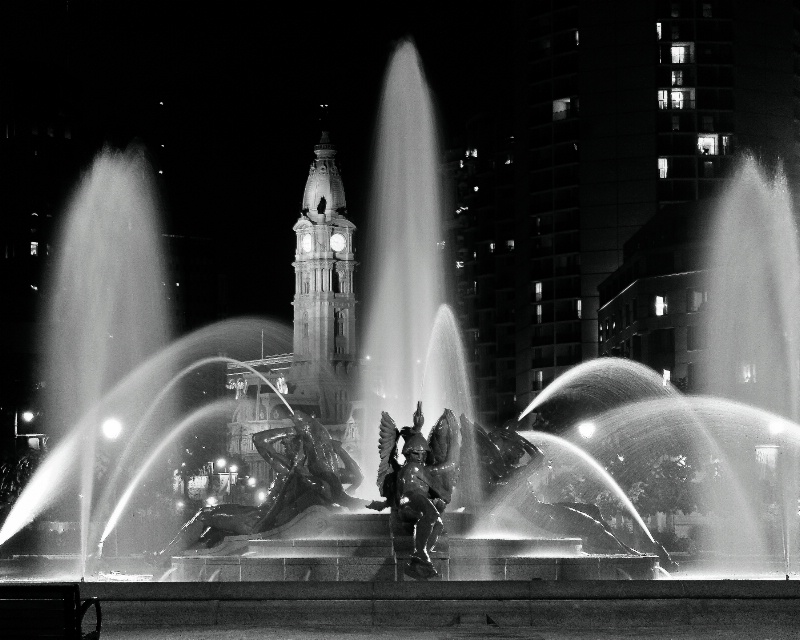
(112, 429)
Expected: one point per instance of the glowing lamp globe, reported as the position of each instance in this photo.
(27, 416)
(112, 428)
(586, 429)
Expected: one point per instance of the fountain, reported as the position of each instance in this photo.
(124, 360)
(729, 456)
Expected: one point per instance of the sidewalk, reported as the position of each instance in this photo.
(452, 633)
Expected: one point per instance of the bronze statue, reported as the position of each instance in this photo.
(419, 490)
(308, 473)
(502, 454)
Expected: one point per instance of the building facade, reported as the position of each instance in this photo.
(653, 309)
(620, 108)
(320, 375)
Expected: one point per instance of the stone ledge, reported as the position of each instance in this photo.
(563, 615)
(464, 590)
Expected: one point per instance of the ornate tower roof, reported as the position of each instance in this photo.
(323, 198)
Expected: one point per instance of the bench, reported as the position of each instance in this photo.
(45, 611)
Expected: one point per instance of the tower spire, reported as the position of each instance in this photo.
(324, 121)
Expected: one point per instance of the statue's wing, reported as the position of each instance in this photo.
(444, 454)
(443, 438)
(387, 448)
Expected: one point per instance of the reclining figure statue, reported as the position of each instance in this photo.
(307, 474)
(502, 454)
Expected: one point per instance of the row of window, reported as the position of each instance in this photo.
(695, 300)
(708, 144)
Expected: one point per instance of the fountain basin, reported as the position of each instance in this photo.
(382, 549)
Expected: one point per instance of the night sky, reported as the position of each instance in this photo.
(241, 84)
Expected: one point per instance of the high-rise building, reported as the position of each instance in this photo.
(620, 108)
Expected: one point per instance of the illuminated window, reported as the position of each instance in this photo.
(658, 30)
(578, 308)
(663, 167)
(538, 380)
(538, 314)
(663, 99)
(677, 78)
(537, 288)
(748, 372)
(510, 245)
(661, 305)
(707, 144)
(491, 247)
(666, 376)
(459, 264)
(475, 188)
(725, 143)
(682, 98)
(577, 38)
(682, 53)
(34, 248)
(561, 108)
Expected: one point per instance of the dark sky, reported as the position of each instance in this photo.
(241, 84)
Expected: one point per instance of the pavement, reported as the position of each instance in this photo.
(454, 633)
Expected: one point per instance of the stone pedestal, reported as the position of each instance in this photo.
(374, 547)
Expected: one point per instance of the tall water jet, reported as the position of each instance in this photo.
(405, 248)
(107, 311)
(754, 289)
(754, 285)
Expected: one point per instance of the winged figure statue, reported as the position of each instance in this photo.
(419, 489)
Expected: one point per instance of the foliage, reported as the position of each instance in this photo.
(667, 488)
(15, 471)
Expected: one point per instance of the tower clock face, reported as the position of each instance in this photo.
(306, 243)
(337, 242)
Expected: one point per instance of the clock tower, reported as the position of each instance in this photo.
(324, 364)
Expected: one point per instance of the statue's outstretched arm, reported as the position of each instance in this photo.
(351, 466)
(264, 442)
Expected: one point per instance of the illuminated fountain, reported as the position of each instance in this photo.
(115, 375)
(405, 338)
(705, 449)
(110, 331)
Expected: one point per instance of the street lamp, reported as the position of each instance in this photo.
(586, 429)
(112, 428)
(27, 416)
